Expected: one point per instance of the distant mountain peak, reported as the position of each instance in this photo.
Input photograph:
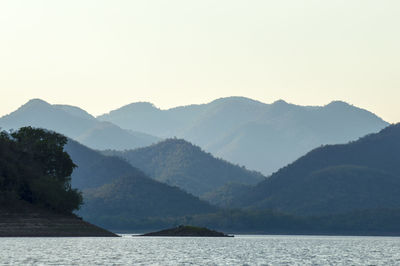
(281, 106)
(137, 107)
(36, 102)
(280, 101)
(338, 104)
(173, 143)
(33, 104)
(235, 99)
(140, 106)
(341, 106)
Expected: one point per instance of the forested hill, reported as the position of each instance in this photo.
(182, 164)
(263, 137)
(35, 170)
(117, 194)
(364, 174)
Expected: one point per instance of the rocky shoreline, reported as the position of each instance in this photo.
(27, 220)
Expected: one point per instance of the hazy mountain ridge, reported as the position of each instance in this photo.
(182, 164)
(76, 124)
(115, 191)
(363, 174)
(245, 131)
(263, 137)
(76, 111)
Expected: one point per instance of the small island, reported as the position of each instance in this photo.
(186, 230)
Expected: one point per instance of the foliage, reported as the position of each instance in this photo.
(114, 190)
(182, 164)
(261, 136)
(133, 196)
(364, 174)
(223, 196)
(35, 168)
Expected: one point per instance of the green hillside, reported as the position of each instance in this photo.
(182, 164)
(336, 178)
(263, 137)
(116, 194)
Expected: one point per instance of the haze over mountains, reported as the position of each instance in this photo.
(116, 193)
(263, 137)
(161, 184)
(180, 163)
(360, 175)
(352, 187)
(76, 124)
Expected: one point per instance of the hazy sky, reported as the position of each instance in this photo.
(101, 54)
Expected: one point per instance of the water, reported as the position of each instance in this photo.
(240, 250)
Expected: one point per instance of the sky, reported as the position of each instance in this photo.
(100, 55)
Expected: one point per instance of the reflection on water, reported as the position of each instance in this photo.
(252, 250)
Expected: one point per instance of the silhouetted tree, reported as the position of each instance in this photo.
(34, 167)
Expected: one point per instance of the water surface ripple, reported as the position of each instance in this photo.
(240, 250)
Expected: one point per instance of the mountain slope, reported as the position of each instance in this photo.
(132, 198)
(115, 192)
(38, 113)
(179, 163)
(76, 124)
(263, 137)
(364, 174)
(105, 135)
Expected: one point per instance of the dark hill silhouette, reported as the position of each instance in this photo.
(36, 198)
(263, 137)
(182, 164)
(76, 124)
(187, 230)
(116, 192)
(363, 174)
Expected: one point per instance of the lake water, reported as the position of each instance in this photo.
(240, 250)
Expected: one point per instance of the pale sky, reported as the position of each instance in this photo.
(100, 55)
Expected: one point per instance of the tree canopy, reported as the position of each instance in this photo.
(35, 168)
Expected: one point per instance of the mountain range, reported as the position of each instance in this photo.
(160, 184)
(354, 185)
(182, 164)
(116, 193)
(263, 137)
(75, 123)
(360, 175)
